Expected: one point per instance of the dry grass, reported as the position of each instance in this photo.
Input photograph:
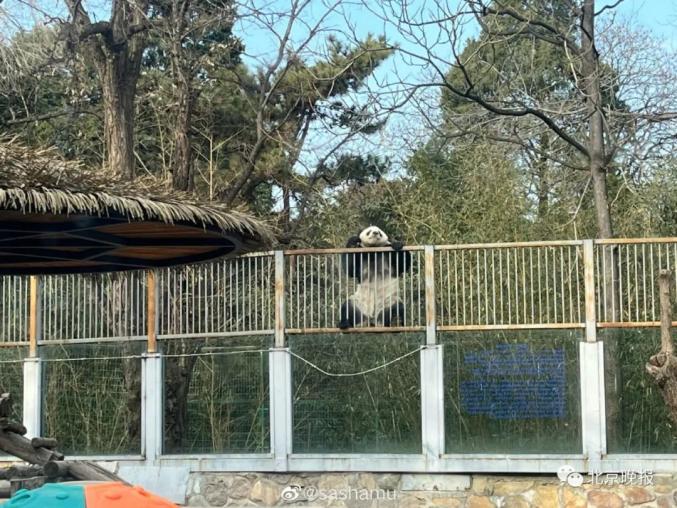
(42, 181)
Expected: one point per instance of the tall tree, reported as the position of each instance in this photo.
(115, 47)
(573, 106)
(195, 37)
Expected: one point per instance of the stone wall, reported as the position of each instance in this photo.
(375, 490)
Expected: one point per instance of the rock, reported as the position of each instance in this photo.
(572, 499)
(435, 482)
(366, 481)
(637, 495)
(511, 488)
(335, 482)
(447, 502)
(388, 481)
(482, 485)
(664, 502)
(517, 502)
(411, 502)
(604, 499)
(216, 491)
(265, 491)
(239, 488)
(546, 495)
(197, 501)
(480, 502)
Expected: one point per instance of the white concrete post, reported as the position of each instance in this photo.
(32, 396)
(593, 410)
(280, 407)
(152, 384)
(432, 405)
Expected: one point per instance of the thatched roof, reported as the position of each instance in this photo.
(36, 182)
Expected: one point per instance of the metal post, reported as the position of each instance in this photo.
(593, 411)
(589, 281)
(280, 407)
(32, 366)
(432, 405)
(151, 405)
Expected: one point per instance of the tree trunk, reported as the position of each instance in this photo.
(663, 366)
(178, 376)
(591, 83)
(118, 83)
(182, 174)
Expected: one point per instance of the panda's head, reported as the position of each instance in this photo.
(373, 237)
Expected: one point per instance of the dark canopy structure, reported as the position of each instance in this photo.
(58, 216)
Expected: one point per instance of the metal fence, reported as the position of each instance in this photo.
(474, 287)
(276, 401)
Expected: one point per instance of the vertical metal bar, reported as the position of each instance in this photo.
(507, 272)
(279, 300)
(524, 287)
(486, 289)
(493, 287)
(463, 285)
(589, 284)
(457, 322)
(430, 307)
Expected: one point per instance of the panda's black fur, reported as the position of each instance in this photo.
(376, 299)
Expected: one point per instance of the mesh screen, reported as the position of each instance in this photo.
(512, 392)
(93, 406)
(379, 412)
(216, 397)
(637, 417)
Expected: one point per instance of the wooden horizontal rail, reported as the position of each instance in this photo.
(349, 250)
(364, 329)
(615, 241)
(632, 324)
(549, 243)
(531, 326)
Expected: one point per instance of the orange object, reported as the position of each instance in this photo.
(119, 495)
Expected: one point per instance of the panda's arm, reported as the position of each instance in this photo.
(353, 262)
(400, 259)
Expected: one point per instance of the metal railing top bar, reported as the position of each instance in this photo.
(349, 250)
(504, 245)
(616, 241)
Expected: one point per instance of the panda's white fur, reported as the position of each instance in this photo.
(379, 287)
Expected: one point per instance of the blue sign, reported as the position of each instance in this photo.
(512, 382)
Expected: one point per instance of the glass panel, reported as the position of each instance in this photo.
(637, 418)
(512, 391)
(216, 395)
(11, 377)
(92, 397)
(376, 412)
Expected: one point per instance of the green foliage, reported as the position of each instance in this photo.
(637, 417)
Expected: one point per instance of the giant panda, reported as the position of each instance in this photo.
(376, 298)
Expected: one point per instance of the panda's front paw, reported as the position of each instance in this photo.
(397, 245)
(344, 324)
(353, 241)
